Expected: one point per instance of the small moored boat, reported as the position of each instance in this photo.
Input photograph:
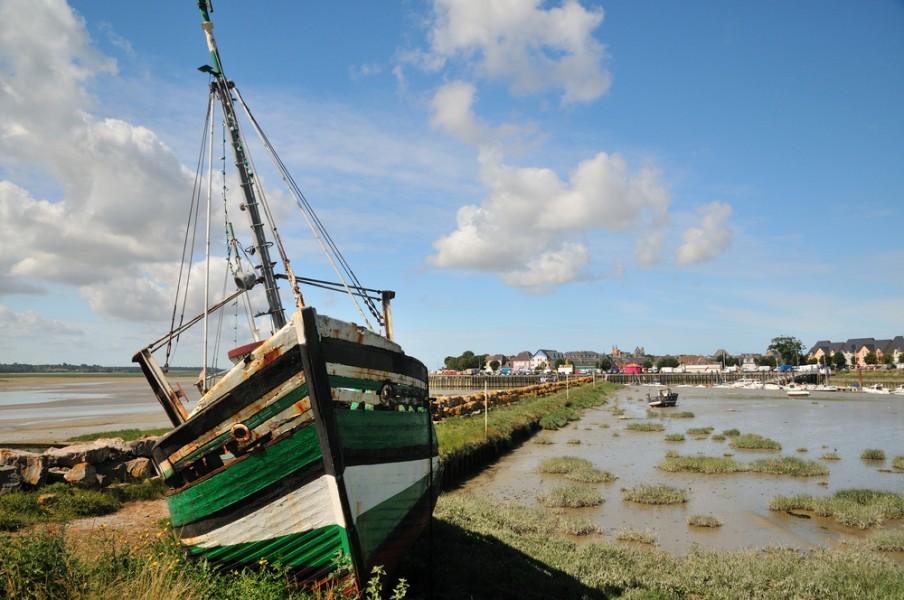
(665, 397)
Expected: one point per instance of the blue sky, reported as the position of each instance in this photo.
(562, 175)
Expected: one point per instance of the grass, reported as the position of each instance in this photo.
(752, 441)
(700, 431)
(683, 415)
(576, 469)
(570, 496)
(704, 521)
(655, 494)
(44, 566)
(471, 532)
(645, 426)
(787, 465)
(887, 541)
(126, 434)
(62, 502)
(859, 508)
(731, 433)
(674, 437)
(898, 462)
(564, 464)
(830, 456)
(633, 534)
(873, 454)
(462, 439)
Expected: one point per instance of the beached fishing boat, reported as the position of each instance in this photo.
(316, 447)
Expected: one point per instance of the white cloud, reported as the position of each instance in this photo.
(529, 229)
(28, 323)
(451, 113)
(120, 186)
(518, 41)
(710, 239)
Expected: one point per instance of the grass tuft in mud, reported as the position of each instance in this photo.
(570, 496)
(753, 441)
(655, 494)
(704, 521)
(859, 508)
(873, 454)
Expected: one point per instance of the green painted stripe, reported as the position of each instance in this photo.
(377, 429)
(251, 422)
(245, 477)
(375, 525)
(309, 549)
(372, 385)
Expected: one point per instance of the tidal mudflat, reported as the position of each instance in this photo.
(836, 425)
(47, 409)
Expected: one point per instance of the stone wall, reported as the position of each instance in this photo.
(85, 464)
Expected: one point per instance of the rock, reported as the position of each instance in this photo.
(56, 475)
(95, 453)
(140, 468)
(30, 466)
(110, 472)
(47, 499)
(83, 475)
(143, 446)
(10, 479)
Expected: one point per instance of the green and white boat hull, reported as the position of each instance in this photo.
(319, 444)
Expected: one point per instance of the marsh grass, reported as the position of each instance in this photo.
(753, 441)
(461, 438)
(674, 437)
(591, 475)
(731, 433)
(887, 541)
(655, 494)
(645, 426)
(700, 464)
(563, 464)
(718, 438)
(682, 415)
(472, 532)
(830, 456)
(570, 496)
(859, 508)
(704, 521)
(802, 450)
(788, 465)
(873, 454)
(542, 440)
(574, 442)
(898, 462)
(634, 534)
(704, 431)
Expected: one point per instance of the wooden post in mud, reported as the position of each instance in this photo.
(486, 412)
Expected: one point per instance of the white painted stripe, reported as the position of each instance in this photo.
(369, 485)
(313, 506)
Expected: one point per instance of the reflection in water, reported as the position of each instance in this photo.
(841, 423)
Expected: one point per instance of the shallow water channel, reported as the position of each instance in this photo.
(842, 423)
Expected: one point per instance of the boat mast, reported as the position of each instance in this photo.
(222, 86)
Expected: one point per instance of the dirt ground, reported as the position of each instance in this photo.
(134, 526)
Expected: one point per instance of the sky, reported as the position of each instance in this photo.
(565, 175)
